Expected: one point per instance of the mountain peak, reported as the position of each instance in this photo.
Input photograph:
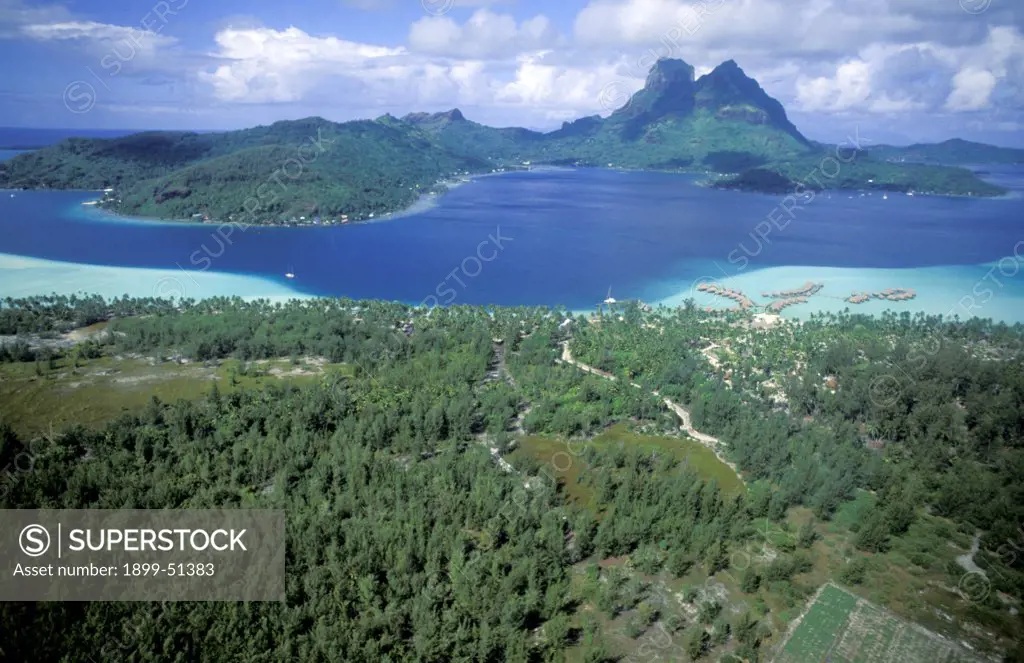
(668, 90)
(728, 92)
(669, 72)
(453, 115)
(730, 73)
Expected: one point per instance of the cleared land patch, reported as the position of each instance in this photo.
(35, 397)
(842, 628)
(565, 460)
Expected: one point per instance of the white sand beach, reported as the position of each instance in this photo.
(22, 277)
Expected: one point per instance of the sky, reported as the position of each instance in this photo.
(888, 71)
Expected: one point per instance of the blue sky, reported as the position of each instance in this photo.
(885, 70)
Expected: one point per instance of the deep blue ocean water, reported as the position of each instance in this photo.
(562, 237)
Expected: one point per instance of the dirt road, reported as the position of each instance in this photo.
(709, 441)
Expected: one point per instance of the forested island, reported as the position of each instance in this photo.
(521, 484)
(955, 151)
(315, 170)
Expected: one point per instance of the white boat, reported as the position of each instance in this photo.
(289, 275)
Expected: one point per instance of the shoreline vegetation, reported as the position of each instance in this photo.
(317, 172)
(426, 200)
(804, 178)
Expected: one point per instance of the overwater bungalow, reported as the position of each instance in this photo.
(889, 294)
(741, 299)
(806, 290)
(779, 304)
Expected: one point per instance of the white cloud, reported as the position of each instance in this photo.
(262, 65)
(834, 27)
(634, 22)
(15, 13)
(103, 34)
(971, 90)
(825, 56)
(919, 77)
(522, 72)
(433, 7)
(484, 34)
(849, 87)
(283, 65)
(556, 89)
(856, 58)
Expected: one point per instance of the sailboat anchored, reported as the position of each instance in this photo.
(609, 300)
(289, 274)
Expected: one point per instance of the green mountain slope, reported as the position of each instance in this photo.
(465, 138)
(318, 168)
(86, 163)
(723, 122)
(951, 152)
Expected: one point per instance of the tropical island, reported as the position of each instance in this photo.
(722, 124)
(955, 151)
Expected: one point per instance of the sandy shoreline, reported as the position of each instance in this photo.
(22, 276)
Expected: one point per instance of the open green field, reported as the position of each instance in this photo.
(35, 398)
(691, 453)
(564, 460)
(842, 628)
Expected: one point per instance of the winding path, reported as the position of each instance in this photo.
(708, 441)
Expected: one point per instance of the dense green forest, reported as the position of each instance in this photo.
(857, 171)
(956, 152)
(292, 171)
(926, 413)
(408, 542)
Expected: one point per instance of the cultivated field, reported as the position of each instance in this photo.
(843, 628)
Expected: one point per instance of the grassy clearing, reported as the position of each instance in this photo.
(36, 397)
(691, 453)
(563, 460)
(559, 459)
(842, 628)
